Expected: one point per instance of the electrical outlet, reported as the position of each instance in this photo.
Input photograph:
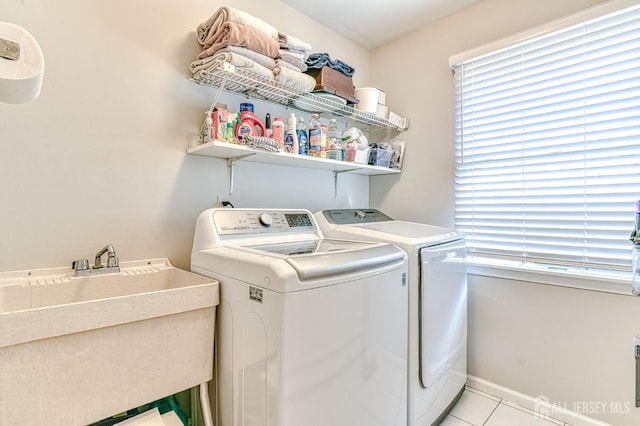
(223, 202)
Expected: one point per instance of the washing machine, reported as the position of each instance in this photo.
(311, 331)
(437, 304)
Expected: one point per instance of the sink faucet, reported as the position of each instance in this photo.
(81, 266)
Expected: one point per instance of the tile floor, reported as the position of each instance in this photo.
(480, 409)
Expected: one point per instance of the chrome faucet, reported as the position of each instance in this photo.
(81, 266)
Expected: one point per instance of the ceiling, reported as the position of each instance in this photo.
(373, 23)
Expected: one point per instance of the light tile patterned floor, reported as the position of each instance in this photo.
(480, 409)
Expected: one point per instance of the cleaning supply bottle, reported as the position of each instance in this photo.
(315, 136)
(207, 131)
(278, 132)
(334, 141)
(229, 133)
(323, 141)
(248, 123)
(635, 260)
(303, 141)
(291, 139)
(267, 125)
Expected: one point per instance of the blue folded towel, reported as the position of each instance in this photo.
(319, 60)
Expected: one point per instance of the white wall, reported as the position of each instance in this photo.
(572, 346)
(100, 156)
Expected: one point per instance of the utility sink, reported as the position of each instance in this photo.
(74, 350)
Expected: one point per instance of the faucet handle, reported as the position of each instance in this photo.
(80, 265)
(112, 262)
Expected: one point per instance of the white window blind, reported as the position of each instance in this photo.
(548, 146)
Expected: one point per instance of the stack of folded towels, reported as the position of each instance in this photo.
(250, 43)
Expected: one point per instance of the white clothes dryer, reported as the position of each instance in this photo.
(437, 304)
(311, 331)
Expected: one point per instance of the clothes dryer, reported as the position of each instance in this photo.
(311, 331)
(437, 304)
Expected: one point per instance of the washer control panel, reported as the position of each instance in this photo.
(243, 221)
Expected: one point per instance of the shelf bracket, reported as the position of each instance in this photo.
(219, 91)
(335, 180)
(230, 169)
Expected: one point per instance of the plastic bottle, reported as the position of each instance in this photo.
(635, 260)
(248, 123)
(229, 134)
(315, 136)
(278, 132)
(334, 141)
(323, 141)
(303, 141)
(267, 125)
(291, 140)
(208, 127)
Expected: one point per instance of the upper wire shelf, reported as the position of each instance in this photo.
(226, 76)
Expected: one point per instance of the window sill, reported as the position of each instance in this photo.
(545, 275)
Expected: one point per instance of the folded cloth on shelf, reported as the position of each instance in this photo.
(210, 63)
(319, 60)
(259, 58)
(292, 58)
(284, 64)
(294, 79)
(228, 14)
(233, 34)
(292, 43)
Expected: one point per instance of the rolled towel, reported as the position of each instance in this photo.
(301, 82)
(228, 14)
(292, 43)
(292, 58)
(233, 34)
(210, 63)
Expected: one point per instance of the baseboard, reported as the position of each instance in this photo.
(539, 405)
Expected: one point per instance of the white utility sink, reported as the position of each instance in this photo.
(76, 350)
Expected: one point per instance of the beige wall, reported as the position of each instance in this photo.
(100, 156)
(569, 345)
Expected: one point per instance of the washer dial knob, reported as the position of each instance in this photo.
(265, 219)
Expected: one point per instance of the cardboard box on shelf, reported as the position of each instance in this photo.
(334, 82)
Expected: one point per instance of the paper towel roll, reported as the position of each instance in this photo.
(20, 79)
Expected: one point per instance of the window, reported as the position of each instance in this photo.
(548, 146)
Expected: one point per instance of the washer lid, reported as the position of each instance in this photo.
(322, 258)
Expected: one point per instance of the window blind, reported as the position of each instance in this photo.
(548, 146)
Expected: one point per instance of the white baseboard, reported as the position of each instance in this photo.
(537, 404)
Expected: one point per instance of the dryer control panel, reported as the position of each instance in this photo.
(350, 216)
(243, 221)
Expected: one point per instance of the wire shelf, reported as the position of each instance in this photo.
(226, 76)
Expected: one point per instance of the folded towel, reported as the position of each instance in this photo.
(292, 58)
(296, 80)
(228, 14)
(233, 34)
(289, 42)
(282, 64)
(210, 63)
(319, 60)
(258, 58)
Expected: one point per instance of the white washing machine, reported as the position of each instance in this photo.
(311, 331)
(437, 304)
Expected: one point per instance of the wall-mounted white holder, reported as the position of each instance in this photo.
(21, 65)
